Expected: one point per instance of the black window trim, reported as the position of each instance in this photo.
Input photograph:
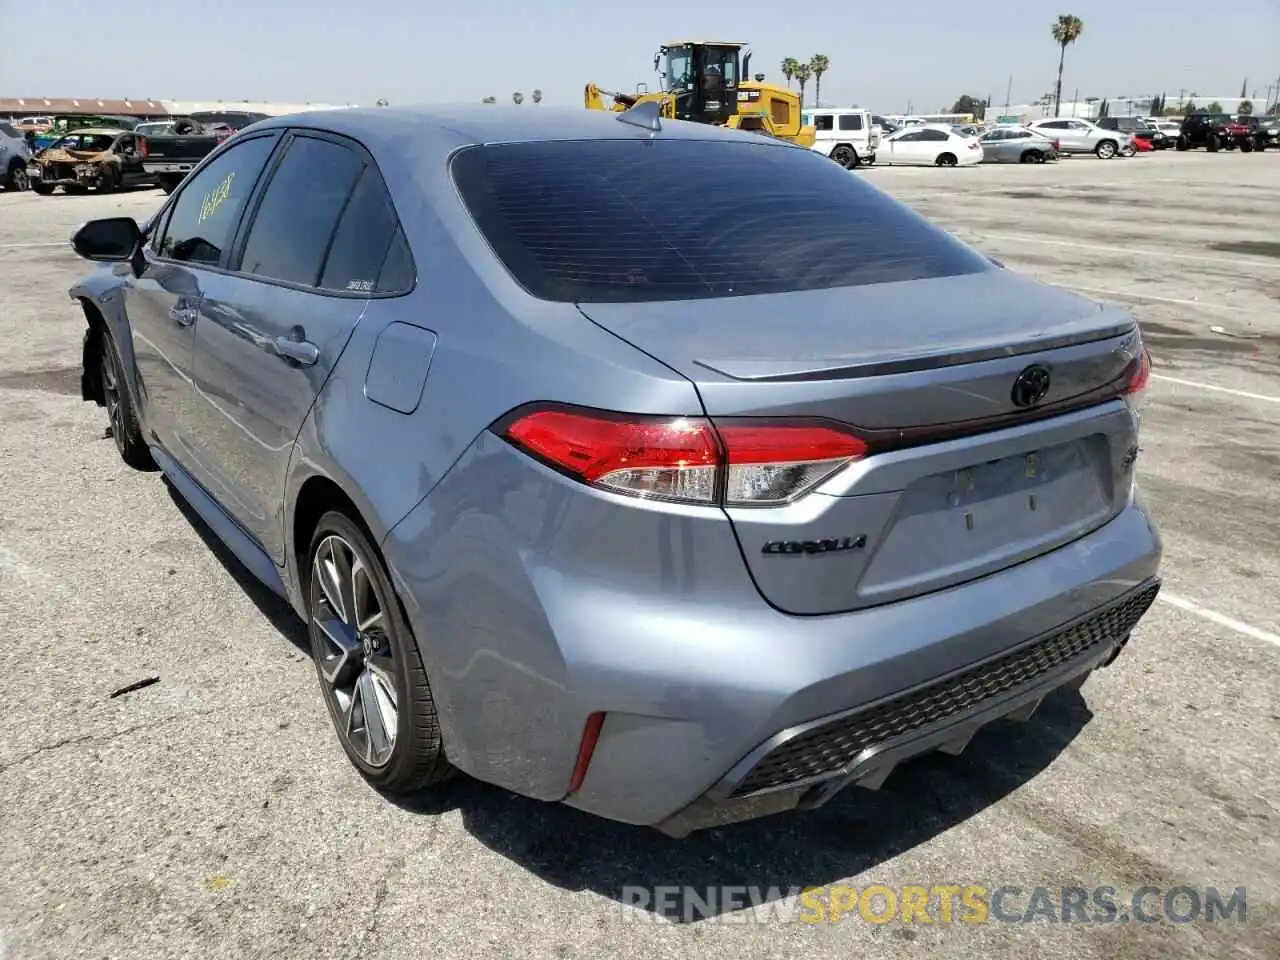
(254, 203)
(166, 212)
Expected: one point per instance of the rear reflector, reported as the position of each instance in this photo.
(590, 737)
(686, 459)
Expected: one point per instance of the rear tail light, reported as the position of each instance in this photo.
(1057, 144)
(1136, 376)
(974, 145)
(686, 459)
(142, 147)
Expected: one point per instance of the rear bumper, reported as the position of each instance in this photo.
(805, 766)
(159, 168)
(538, 602)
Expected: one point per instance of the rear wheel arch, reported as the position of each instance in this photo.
(317, 496)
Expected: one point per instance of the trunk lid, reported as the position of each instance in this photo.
(961, 480)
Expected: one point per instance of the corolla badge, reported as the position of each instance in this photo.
(797, 548)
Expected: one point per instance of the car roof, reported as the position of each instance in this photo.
(442, 129)
(105, 131)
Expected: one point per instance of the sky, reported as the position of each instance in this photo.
(888, 57)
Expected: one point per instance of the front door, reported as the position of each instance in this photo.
(271, 331)
(186, 249)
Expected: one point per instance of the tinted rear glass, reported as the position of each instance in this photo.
(627, 220)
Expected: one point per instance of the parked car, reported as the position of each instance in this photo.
(570, 510)
(1017, 145)
(1076, 136)
(104, 159)
(170, 156)
(14, 156)
(847, 136)
(1267, 133)
(1138, 129)
(1214, 132)
(930, 146)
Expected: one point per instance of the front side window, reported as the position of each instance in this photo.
(822, 121)
(205, 215)
(294, 223)
(605, 221)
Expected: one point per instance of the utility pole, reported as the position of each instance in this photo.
(1075, 98)
(1008, 92)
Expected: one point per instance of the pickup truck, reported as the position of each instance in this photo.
(171, 156)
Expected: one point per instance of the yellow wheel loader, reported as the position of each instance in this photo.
(706, 81)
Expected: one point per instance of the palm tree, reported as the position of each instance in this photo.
(789, 67)
(537, 96)
(517, 98)
(1066, 31)
(819, 64)
(803, 72)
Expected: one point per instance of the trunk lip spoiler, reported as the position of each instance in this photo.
(836, 370)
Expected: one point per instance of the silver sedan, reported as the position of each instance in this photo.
(1017, 145)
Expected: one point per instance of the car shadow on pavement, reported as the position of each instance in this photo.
(274, 608)
(854, 833)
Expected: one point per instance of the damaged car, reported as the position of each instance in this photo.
(97, 158)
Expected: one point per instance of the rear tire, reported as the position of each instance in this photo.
(1213, 144)
(42, 188)
(1180, 143)
(1032, 156)
(845, 155)
(947, 160)
(367, 662)
(169, 184)
(17, 178)
(1246, 146)
(1105, 150)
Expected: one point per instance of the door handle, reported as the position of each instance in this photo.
(302, 352)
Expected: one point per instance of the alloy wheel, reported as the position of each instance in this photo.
(18, 179)
(111, 396)
(353, 651)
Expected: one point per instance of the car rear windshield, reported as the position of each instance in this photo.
(611, 221)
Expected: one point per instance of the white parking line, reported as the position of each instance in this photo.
(1134, 295)
(1209, 386)
(30, 246)
(1190, 606)
(1135, 251)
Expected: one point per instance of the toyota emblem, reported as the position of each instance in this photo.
(1031, 386)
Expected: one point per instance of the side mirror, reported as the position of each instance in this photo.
(113, 239)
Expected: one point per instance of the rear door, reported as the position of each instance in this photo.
(307, 260)
(985, 407)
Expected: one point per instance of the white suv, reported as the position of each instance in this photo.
(1080, 136)
(847, 136)
(14, 154)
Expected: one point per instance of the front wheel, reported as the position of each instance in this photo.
(1246, 146)
(1181, 143)
(1212, 144)
(122, 418)
(371, 674)
(947, 160)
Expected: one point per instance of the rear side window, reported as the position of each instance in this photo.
(851, 121)
(299, 211)
(364, 237)
(630, 220)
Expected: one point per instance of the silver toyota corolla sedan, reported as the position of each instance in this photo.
(659, 469)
